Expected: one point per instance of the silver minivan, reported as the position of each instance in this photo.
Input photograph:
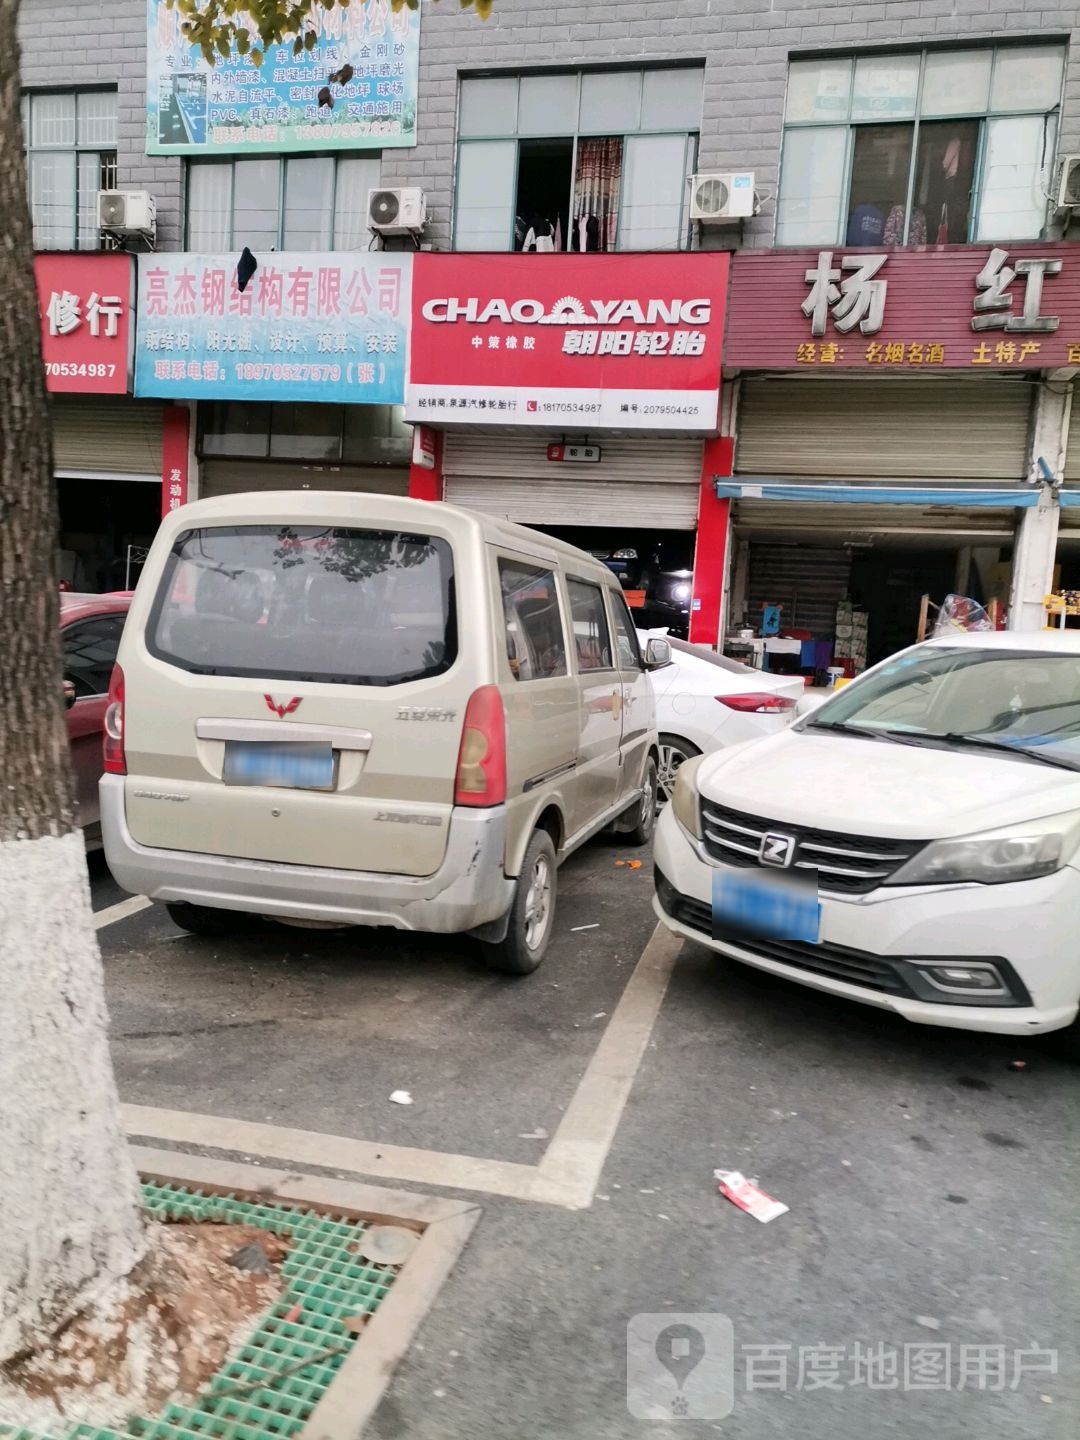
(351, 709)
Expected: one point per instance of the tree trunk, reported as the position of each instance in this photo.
(69, 1192)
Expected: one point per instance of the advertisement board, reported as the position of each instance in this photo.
(959, 307)
(364, 62)
(85, 303)
(568, 341)
(309, 326)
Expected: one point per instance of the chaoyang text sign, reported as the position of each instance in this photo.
(309, 326)
(567, 341)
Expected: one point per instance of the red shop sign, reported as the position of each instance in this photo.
(86, 332)
(1007, 307)
(567, 341)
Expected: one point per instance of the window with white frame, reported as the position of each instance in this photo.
(919, 147)
(305, 202)
(581, 160)
(70, 155)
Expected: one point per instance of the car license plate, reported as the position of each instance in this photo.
(782, 907)
(292, 765)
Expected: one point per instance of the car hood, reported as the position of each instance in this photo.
(872, 787)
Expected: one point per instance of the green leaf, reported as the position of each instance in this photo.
(224, 43)
(243, 42)
(256, 57)
(310, 40)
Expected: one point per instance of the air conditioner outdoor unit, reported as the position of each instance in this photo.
(721, 199)
(126, 212)
(1068, 196)
(397, 212)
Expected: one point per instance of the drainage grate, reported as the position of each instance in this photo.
(268, 1390)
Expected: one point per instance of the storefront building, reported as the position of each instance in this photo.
(900, 421)
(108, 449)
(579, 395)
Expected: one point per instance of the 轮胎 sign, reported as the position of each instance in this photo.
(309, 326)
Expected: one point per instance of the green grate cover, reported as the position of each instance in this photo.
(269, 1388)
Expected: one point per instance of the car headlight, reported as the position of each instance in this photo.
(685, 803)
(1023, 852)
(680, 591)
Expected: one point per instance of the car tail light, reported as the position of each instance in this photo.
(114, 756)
(758, 702)
(481, 768)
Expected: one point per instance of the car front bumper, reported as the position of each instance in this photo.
(469, 889)
(868, 943)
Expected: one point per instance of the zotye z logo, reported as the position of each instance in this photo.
(282, 710)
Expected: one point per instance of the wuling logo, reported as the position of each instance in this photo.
(282, 710)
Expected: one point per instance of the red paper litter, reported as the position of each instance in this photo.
(743, 1193)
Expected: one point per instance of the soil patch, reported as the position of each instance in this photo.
(156, 1338)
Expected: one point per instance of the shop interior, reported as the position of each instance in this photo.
(106, 527)
(655, 569)
(828, 606)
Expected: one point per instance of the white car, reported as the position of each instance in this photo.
(913, 844)
(705, 702)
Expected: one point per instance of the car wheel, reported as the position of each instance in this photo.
(532, 914)
(641, 831)
(674, 753)
(205, 920)
(1066, 1042)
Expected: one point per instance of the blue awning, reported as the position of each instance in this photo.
(952, 497)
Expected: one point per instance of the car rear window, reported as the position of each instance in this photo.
(294, 602)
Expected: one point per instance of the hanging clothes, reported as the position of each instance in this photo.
(596, 194)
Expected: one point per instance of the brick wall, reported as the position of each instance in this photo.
(104, 42)
(745, 44)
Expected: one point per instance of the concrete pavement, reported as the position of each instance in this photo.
(932, 1189)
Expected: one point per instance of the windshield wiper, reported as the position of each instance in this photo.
(977, 742)
(864, 732)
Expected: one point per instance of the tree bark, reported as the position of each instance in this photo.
(70, 1198)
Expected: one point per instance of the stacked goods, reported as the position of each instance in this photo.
(851, 633)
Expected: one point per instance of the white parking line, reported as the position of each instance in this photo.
(120, 911)
(573, 1162)
(567, 1175)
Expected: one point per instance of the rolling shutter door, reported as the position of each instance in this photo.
(232, 477)
(884, 429)
(639, 481)
(806, 579)
(763, 518)
(1072, 445)
(106, 436)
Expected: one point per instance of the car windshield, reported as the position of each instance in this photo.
(1025, 702)
(297, 602)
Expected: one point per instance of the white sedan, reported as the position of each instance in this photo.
(706, 702)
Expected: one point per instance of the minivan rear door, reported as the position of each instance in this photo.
(600, 699)
(296, 696)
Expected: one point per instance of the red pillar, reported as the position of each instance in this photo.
(425, 469)
(174, 458)
(710, 554)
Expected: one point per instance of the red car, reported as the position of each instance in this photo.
(90, 629)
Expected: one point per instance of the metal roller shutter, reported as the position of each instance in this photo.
(107, 436)
(640, 481)
(1072, 446)
(860, 522)
(884, 428)
(806, 579)
(232, 477)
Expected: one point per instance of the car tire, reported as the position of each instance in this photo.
(674, 752)
(205, 920)
(640, 833)
(532, 913)
(1065, 1043)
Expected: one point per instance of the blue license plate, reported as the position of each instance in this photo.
(781, 906)
(296, 766)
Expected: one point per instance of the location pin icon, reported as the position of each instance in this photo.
(680, 1349)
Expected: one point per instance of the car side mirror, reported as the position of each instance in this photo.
(69, 694)
(657, 653)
